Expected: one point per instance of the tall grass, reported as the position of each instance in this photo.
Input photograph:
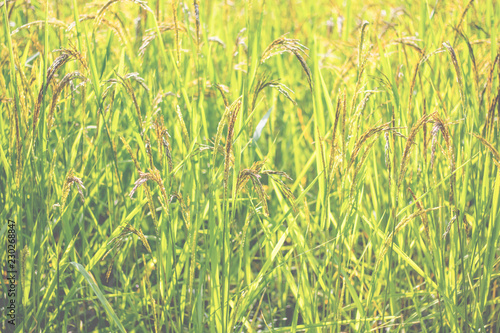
(251, 166)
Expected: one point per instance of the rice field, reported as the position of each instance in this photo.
(250, 166)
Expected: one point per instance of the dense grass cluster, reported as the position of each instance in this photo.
(244, 166)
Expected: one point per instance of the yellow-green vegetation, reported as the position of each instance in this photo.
(245, 166)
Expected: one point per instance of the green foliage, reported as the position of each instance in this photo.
(154, 190)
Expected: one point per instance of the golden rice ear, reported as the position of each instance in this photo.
(409, 145)
(264, 82)
(361, 58)
(235, 108)
(185, 134)
(105, 7)
(129, 228)
(176, 29)
(151, 35)
(257, 185)
(284, 188)
(287, 45)
(155, 176)
(459, 24)
(441, 126)
(125, 82)
(149, 153)
(70, 179)
(197, 18)
(363, 138)
(168, 150)
(223, 89)
(64, 82)
(56, 65)
(116, 28)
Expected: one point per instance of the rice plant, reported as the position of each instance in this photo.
(250, 166)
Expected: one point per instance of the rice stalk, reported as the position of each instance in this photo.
(151, 205)
(125, 82)
(341, 298)
(423, 218)
(287, 45)
(471, 55)
(117, 29)
(234, 312)
(362, 61)
(155, 176)
(197, 18)
(239, 41)
(244, 175)
(56, 65)
(149, 153)
(102, 11)
(410, 97)
(403, 223)
(411, 42)
(441, 126)
(362, 105)
(151, 34)
(490, 117)
(220, 127)
(146, 187)
(424, 130)
(229, 142)
(264, 82)
(456, 214)
(454, 60)
(127, 146)
(363, 138)
(25, 253)
(51, 21)
(26, 86)
(342, 128)
(489, 81)
(387, 151)
(358, 168)
(55, 97)
(284, 188)
(331, 157)
(129, 229)
(257, 185)
(185, 134)
(168, 150)
(253, 174)
(408, 147)
(494, 152)
(323, 161)
(147, 274)
(192, 264)
(364, 26)
(159, 128)
(461, 19)
(70, 179)
(176, 31)
(186, 215)
(222, 89)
